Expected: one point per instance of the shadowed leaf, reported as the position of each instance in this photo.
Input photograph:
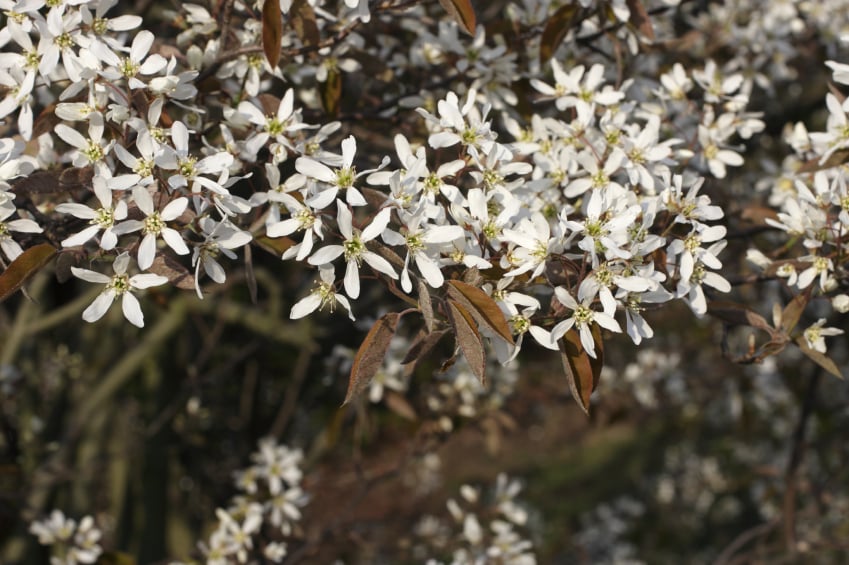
(174, 271)
(482, 308)
(425, 305)
(303, 22)
(738, 315)
(462, 12)
(25, 266)
(556, 28)
(331, 93)
(468, 338)
(582, 371)
(400, 405)
(793, 311)
(423, 346)
(640, 18)
(272, 31)
(371, 353)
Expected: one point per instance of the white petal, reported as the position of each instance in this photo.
(147, 251)
(98, 308)
(147, 280)
(132, 310)
(175, 241)
(90, 276)
(305, 306)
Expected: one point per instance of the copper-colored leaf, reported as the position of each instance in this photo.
(400, 405)
(482, 308)
(462, 12)
(46, 121)
(468, 338)
(640, 18)
(425, 305)
(274, 245)
(174, 271)
(272, 31)
(793, 311)
(819, 358)
(331, 93)
(837, 158)
(39, 182)
(582, 371)
(423, 346)
(303, 22)
(25, 266)
(737, 315)
(371, 353)
(556, 28)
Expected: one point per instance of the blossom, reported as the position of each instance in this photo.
(119, 285)
(354, 249)
(102, 218)
(815, 335)
(154, 226)
(220, 238)
(321, 296)
(8, 245)
(582, 318)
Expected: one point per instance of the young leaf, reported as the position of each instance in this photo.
(482, 308)
(400, 405)
(331, 94)
(25, 266)
(423, 346)
(556, 28)
(462, 12)
(582, 371)
(371, 353)
(819, 358)
(177, 274)
(468, 338)
(793, 310)
(425, 305)
(272, 31)
(640, 18)
(737, 315)
(303, 22)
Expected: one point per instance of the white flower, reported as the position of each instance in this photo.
(153, 226)
(321, 296)
(219, 239)
(118, 285)
(102, 218)
(815, 335)
(354, 249)
(583, 316)
(8, 245)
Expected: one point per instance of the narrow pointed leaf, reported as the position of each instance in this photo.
(425, 305)
(468, 338)
(174, 271)
(303, 22)
(640, 18)
(423, 346)
(582, 371)
(462, 12)
(556, 28)
(819, 358)
(371, 353)
(272, 31)
(738, 315)
(793, 310)
(25, 266)
(482, 308)
(331, 93)
(400, 405)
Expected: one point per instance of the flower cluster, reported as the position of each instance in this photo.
(70, 542)
(256, 524)
(482, 528)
